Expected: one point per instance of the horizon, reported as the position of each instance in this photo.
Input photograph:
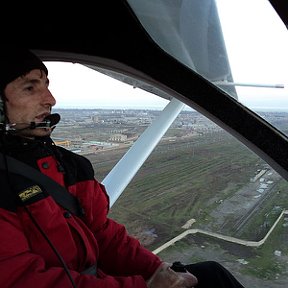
(188, 109)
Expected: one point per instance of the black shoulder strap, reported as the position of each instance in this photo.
(58, 192)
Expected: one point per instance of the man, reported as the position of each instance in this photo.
(42, 244)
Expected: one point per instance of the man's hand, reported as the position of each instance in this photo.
(164, 276)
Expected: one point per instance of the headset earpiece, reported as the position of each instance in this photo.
(2, 114)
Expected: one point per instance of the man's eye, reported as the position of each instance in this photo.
(29, 88)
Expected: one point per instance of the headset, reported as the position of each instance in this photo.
(2, 114)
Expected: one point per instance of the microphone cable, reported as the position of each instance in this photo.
(60, 258)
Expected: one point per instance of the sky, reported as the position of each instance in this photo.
(77, 86)
(261, 44)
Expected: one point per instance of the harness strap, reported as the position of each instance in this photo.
(58, 192)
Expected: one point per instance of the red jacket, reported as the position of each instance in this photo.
(27, 259)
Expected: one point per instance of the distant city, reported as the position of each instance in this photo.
(86, 131)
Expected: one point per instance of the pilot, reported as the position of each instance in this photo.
(44, 243)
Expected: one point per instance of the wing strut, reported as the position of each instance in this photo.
(123, 172)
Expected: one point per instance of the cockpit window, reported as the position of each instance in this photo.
(230, 43)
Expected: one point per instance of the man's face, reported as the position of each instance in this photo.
(28, 99)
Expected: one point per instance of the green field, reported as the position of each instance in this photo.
(178, 181)
(185, 179)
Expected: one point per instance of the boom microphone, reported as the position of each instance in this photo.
(49, 122)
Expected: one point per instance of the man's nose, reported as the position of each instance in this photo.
(49, 98)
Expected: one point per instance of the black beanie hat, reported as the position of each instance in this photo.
(16, 62)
